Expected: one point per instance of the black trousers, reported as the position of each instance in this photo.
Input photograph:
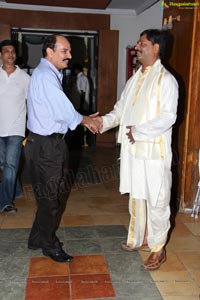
(46, 157)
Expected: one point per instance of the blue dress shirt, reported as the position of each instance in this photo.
(49, 109)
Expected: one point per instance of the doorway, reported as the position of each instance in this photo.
(84, 47)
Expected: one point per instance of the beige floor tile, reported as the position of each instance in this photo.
(28, 195)
(2, 216)
(186, 218)
(191, 260)
(31, 206)
(178, 288)
(124, 217)
(108, 209)
(112, 185)
(119, 219)
(77, 196)
(181, 297)
(94, 190)
(77, 208)
(194, 228)
(22, 201)
(25, 213)
(95, 200)
(75, 192)
(196, 275)
(108, 200)
(13, 221)
(184, 244)
(75, 220)
(180, 230)
(171, 276)
(117, 198)
(110, 172)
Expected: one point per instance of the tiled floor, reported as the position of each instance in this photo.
(92, 227)
(86, 277)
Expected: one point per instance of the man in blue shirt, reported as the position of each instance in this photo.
(50, 115)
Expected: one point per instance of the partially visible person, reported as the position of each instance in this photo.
(13, 90)
(80, 97)
(146, 113)
(83, 87)
(50, 116)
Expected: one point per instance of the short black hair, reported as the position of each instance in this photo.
(49, 42)
(8, 43)
(157, 36)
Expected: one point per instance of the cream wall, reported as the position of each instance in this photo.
(130, 28)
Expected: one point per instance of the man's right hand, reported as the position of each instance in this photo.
(93, 122)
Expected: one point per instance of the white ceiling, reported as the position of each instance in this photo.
(138, 6)
(115, 6)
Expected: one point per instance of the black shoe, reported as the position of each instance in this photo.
(9, 208)
(36, 247)
(58, 255)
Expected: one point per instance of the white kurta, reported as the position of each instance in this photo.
(150, 107)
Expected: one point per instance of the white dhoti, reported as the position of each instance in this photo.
(148, 183)
(143, 216)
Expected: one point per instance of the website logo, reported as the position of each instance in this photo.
(180, 5)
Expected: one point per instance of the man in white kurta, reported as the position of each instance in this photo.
(145, 115)
(13, 87)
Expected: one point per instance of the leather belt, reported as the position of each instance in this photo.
(58, 136)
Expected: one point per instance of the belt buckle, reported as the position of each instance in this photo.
(59, 136)
(62, 136)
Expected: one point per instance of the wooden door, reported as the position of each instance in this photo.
(192, 133)
(180, 65)
(5, 32)
(107, 80)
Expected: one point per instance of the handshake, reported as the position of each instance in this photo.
(93, 122)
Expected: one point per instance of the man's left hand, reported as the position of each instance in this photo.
(130, 135)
